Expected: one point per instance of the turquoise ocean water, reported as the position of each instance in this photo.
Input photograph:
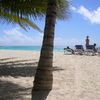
(29, 48)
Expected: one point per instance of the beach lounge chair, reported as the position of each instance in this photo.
(79, 49)
(68, 51)
(98, 51)
(90, 50)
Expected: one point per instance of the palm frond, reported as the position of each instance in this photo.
(20, 11)
(34, 8)
(23, 22)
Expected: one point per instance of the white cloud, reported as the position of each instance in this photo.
(92, 16)
(15, 37)
(73, 8)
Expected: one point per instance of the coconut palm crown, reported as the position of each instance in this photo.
(22, 11)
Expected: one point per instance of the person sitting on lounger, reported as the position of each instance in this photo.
(87, 42)
(70, 49)
(95, 50)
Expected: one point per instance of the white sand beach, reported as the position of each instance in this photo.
(76, 77)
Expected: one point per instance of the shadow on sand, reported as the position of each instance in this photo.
(11, 91)
(19, 68)
(40, 95)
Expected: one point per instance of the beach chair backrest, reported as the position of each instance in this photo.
(79, 47)
(90, 47)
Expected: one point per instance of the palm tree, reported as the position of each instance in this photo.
(20, 11)
(43, 77)
(34, 8)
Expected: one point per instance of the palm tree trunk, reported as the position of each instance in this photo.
(44, 77)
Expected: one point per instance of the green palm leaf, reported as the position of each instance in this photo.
(20, 11)
(34, 8)
(23, 22)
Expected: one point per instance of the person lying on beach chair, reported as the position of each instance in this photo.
(68, 50)
(79, 49)
(91, 50)
(96, 50)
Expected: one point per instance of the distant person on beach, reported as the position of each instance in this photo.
(70, 49)
(87, 42)
(95, 50)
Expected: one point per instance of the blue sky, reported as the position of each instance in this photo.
(84, 20)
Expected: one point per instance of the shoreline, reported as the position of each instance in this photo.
(30, 50)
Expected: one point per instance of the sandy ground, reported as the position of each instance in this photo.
(76, 77)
